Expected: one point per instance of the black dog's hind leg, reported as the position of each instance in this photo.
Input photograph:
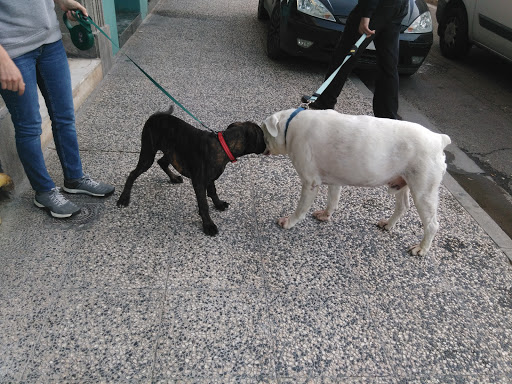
(164, 162)
(212, 193)
(209, 226)
(146, 158)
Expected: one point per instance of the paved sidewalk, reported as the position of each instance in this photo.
(140, 294)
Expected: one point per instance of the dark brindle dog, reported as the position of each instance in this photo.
(195, 154)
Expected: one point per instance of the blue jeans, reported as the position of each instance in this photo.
(46, 67)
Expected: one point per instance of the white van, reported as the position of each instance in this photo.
(486, 23)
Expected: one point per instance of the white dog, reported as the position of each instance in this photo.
(327, 147)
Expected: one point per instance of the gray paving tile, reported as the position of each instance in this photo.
(95, 336)
(429, 332)
(211, 264)
(212, 336)
(325, 334)
(35, 262)
(231, 259)
(491, 311)
(20, 326)
(449, 379)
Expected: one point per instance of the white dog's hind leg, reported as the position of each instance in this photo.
(333, 196)
(427, 209)
(402, 204)
(307, 196)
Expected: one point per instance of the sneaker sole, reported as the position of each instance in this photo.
(84, 192)
(54, 214)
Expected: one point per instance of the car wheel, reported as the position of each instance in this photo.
(453, 36)
(262, 12)
(273, 37)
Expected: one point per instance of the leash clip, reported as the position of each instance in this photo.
(305, 105)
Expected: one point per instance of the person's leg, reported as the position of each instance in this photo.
(387, 24)
(328, 98)
(54, 80)
(385, 98)
(26, 118)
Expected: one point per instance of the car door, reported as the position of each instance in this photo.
(492, 25)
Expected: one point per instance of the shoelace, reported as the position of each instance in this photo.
(87, 180)
(57, 198)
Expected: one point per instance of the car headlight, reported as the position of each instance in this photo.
(422, 24)
(315, 8)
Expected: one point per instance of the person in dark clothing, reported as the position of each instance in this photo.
(380, 21)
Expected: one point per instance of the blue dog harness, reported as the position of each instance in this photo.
(295, 113)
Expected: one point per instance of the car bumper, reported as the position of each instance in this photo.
(324, 35)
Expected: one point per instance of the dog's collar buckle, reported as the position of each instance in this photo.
(225, 147)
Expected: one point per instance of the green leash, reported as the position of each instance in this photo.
(86, 23)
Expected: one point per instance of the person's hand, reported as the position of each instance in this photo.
(10, 76)
(364, 27)
(71, 5)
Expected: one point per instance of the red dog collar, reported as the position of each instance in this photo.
(225, 147)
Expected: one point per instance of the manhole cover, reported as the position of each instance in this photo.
(89, 214)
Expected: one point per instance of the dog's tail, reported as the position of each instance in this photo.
(445, 140)
(170, 110)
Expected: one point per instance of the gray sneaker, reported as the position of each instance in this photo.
(88, 186)
(53, 202)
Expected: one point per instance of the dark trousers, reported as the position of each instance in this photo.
(386, 23)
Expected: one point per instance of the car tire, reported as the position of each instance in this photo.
(274, 51)
(262, 12)
(453, 33)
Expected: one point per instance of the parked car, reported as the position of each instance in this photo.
(311, 28)
(486, 23)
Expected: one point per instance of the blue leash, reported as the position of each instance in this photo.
(326, 83)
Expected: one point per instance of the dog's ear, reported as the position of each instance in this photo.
(270, 124)
(233, 125)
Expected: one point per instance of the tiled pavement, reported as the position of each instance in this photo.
(142, 295)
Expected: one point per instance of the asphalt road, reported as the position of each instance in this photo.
(471, 101)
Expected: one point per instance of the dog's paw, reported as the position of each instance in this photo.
(322, 215)
(284, 222)
(383, 224)
(210, 229)
(222, 206)
(123, 202)
(416, 250)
